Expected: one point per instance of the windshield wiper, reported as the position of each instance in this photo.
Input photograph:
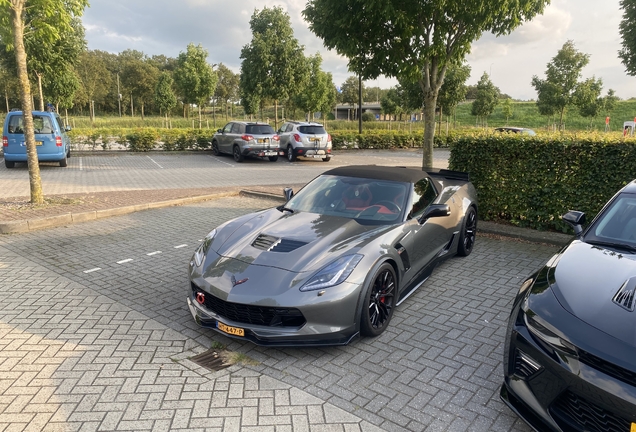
(611, 244)
(283, 208)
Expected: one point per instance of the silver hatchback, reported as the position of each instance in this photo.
(307, 139)
(242, 139)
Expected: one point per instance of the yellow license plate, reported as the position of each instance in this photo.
(262, 140)
(230, 330)
(633, 428)
(38, 143)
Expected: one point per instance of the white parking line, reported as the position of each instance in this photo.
(153, 253)
(92, 270)
(219, 160)
(80, 162)
(125, 261)
(154, 162)
(181, 246)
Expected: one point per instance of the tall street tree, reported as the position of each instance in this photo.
(486, 100)
(391, 104)
(454, 89)
(556, 92)
(165, 98)
(320, 93)
(587, 98)
(55, 20)
(227, 87)
(95, 78)
(350, 91)
(194, 77)
(418, 39)
(273, 64)
(627, 29)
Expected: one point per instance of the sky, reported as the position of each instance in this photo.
(222, 27)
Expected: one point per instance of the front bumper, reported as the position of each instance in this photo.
(571, 390)
(268, 313)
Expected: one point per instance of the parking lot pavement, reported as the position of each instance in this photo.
(97, 172)
(96, 336)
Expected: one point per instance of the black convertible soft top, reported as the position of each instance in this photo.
(401, 174)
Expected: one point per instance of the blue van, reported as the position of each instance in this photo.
(52, 142)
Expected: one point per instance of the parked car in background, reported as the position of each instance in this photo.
(335, 260)
(517, 130)
(52, 142)
(570, 347)
(241, 139)
(306, 139)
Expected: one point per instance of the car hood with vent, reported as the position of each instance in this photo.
(597, 285)
(297, 242)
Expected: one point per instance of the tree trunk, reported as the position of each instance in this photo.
(35, 182)
(199, 105)
(142, 110)
(430, 100)
(561, 119)
(40, 90)
(275, 114)
(360, 104)
(132, 109)
(6, 98)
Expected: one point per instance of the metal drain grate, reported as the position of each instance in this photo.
(210, 360)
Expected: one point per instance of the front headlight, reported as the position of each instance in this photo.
(333, 274)
(199, 254)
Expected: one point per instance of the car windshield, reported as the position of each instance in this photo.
(311, 130)
(259, 130)
(41, 124)
(369, 201)
(617, 225)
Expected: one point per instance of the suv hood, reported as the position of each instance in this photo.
(297, 242)
(587, 280)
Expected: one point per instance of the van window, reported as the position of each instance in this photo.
(41, 124)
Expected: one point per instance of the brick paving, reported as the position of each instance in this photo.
(108, 350)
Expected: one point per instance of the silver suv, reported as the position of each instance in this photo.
(305, 139)
(242, 139)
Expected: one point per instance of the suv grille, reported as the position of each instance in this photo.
(574, 411)
(256, 315)
(608, 368)
(273, 244)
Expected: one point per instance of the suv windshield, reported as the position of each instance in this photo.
(311, 130)
(617, 225)
(368, 201)
(259, 129)
(41, 124)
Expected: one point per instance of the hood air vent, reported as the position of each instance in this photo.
(625, 295)
(273, 244)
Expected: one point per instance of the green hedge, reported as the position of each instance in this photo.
(142, 139)
(532, 181)
(379, 139)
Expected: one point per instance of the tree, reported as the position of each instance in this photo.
(486, 100)
(227, 87)
(453, 91)
(195, 77)
(556, 92)
(61, 88)
(587, 97)
(139, 76)
(506, 109)
(350, 90)
(94, 76)
(627, 29)
(320, 93)
(164, 95)
(54, 21)
(412, 38)
(391, 103)
(273, 66)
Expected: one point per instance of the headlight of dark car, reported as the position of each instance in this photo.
(543, 333)
(199, 254)
(333, 274)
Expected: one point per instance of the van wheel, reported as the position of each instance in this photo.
(272, 158)
(238, 157)
(68, 153)
(326, 159)
(64, 162)
(9, 164)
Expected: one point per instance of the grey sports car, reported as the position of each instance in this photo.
(335, 260)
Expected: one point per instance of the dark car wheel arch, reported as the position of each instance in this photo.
(372, 271)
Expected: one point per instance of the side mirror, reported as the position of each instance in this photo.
(219, 130)
(435, 210)
(575, 219)
(289, 193)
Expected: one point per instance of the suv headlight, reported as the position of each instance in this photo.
(199, 254)
(333, 274)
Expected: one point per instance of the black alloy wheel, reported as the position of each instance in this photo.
(215, 148)
(238, 157)
(468, 234)
(290, 153)
(379, 302)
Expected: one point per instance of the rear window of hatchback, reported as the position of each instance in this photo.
(311, 130)
(259, 129)
(41, 125)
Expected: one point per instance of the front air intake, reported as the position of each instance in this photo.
(273, 244)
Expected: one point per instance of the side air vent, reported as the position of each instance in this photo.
(624, 297)
(273, 244)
